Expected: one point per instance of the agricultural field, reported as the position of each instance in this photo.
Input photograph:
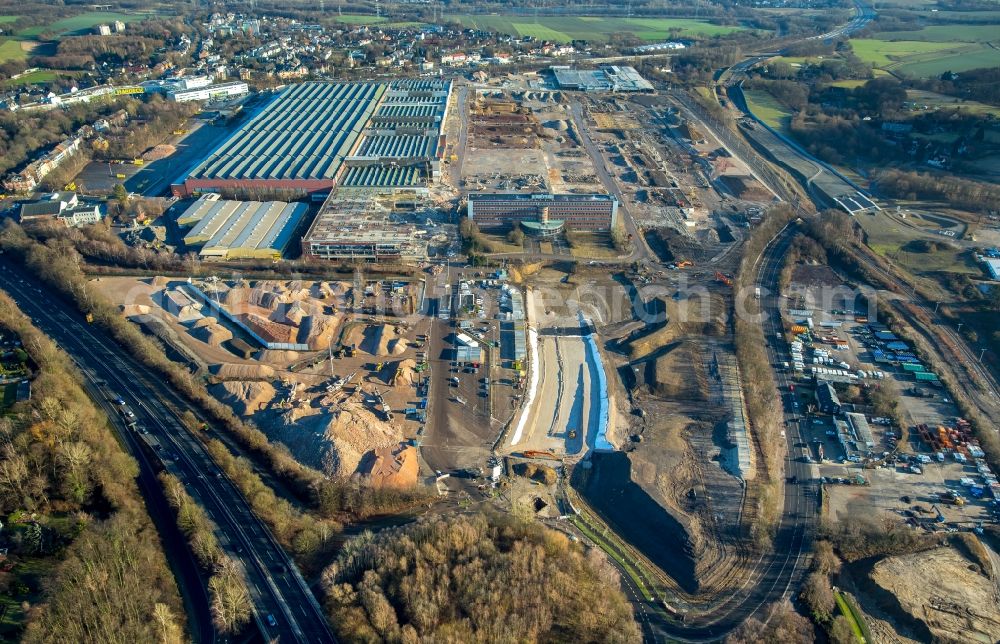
(12, 50)
(6, 20)
(949, 33)
(931, 51)
(768, 109)
(889, 53)
(565, 29)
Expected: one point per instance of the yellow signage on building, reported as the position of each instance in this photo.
(130, 90)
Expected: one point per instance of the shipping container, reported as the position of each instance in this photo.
(913, 367)
(925, 376)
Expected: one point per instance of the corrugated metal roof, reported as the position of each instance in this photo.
(304, 134)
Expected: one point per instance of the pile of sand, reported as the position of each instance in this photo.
(277, 356)
(231, 371)
(130, 310)
(209, 331)
(245, 397)
(381, 340)
(159, 152)
(318, 331)
(352, 431)
(401, 373)
(159, 282)
(392, 466)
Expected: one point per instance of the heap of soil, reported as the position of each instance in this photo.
(674, 377)
(353, 430)
(609, 489)
(245, 397)
(231, 371)
(705, 315)
(961, 605)
(401, 373)
(209, 331)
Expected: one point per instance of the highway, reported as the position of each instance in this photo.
(276, 587)
(823, 182)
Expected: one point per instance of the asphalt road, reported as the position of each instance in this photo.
(275, 585)
(776, 572)
(639, 249)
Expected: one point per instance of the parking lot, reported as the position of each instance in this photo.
(888, 437)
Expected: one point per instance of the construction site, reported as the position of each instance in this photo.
(307, 362)
(525, 141)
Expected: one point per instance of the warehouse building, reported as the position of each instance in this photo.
(544, 212)
(297, 143)
(208, 92)
(609, 78)
(314, 136)
(241, 229)
(403, 143)
(826, 398)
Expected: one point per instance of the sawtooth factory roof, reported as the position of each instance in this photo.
(304, 134)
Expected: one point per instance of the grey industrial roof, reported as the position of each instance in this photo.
(246, 225)
(606, 79)
(396, 111)
(381, 176)
(305, 133)
(399, 146)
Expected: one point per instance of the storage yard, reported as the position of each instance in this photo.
(300, 360)
(881, 429)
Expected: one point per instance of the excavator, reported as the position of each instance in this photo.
(723, 278)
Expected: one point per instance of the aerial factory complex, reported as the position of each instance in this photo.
(701, 350)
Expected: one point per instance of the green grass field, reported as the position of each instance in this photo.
(889, 237)
(41, 76)
(80, 23)
(11, 50)
(887, 53)
(982, 56)
(6, 20)
(565, 29)
(924, 58)
(939, 101)
(360, 19)
(948, 33)
(768, 109)
(848, 84)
